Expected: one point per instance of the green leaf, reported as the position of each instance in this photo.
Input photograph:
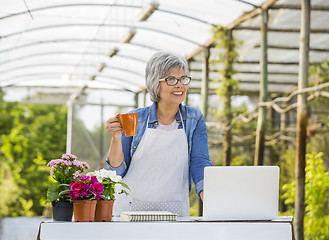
(52, 193)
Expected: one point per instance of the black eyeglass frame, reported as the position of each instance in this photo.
(177, 79)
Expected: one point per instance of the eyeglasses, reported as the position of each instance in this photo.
(172, 81)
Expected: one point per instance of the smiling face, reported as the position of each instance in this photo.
(173, 94)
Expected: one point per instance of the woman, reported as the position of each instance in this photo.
(170, 148)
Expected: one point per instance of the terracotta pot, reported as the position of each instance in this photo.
(62, 211)
(104, 211)
(84, 210)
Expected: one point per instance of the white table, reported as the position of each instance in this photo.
(192, 228)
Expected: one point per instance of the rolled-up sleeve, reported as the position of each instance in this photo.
(122, 169)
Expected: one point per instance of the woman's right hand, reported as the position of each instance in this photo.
(114, 127)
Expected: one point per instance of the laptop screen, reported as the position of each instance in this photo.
(241, 193)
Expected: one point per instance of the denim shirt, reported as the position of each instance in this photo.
(197, 139)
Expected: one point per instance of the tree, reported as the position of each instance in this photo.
(31, 135)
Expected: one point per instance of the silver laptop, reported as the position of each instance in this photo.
(241, 193)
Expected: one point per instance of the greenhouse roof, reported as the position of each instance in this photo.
(101, 47)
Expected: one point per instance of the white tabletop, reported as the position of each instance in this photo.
(191, 228)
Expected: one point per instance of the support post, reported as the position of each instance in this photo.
(186, 99)
(136, 99)
(101, 134)
(187, 93)
(205, 82)
(70, 105)
(204, 96)
(263, 94)
(227, 108)
(69, 127)
(302, 119)
(144, 99)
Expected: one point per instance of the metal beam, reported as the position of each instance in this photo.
(73, 40)
(67, 88)
(102, 5)
(282, 30)
(109, 79)
(79, 74)
(132, 31)
(28, 56)
(253, 82)
(273, 63)
(252, 72)
(294, 48)
(54, 64)
(298, 7)
(148, 11)
(241, 19)
(145, 14)
(248, 3)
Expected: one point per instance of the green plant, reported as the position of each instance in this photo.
(64, 171)
(29, 134)
(223, 40)
(319, 73)
(316, 222)
(111, 182)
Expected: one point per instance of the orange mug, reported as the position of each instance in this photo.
(128, 122)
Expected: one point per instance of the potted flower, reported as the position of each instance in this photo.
(63, 171)
(84, 193)
(112, 185)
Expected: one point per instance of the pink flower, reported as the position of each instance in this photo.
(93, 179)
(89, 188)
(83, 165)
(97, 188)
(84, 178)
(68, 170)
(78, 189)
(54, 162)
(51, 171)
(67, 156)
(76, 174)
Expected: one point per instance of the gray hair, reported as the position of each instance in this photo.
(158, 66)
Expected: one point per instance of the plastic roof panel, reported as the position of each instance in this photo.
(68, 42)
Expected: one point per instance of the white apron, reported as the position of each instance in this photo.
(158, 174)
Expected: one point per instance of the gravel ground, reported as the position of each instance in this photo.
(20, 228)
